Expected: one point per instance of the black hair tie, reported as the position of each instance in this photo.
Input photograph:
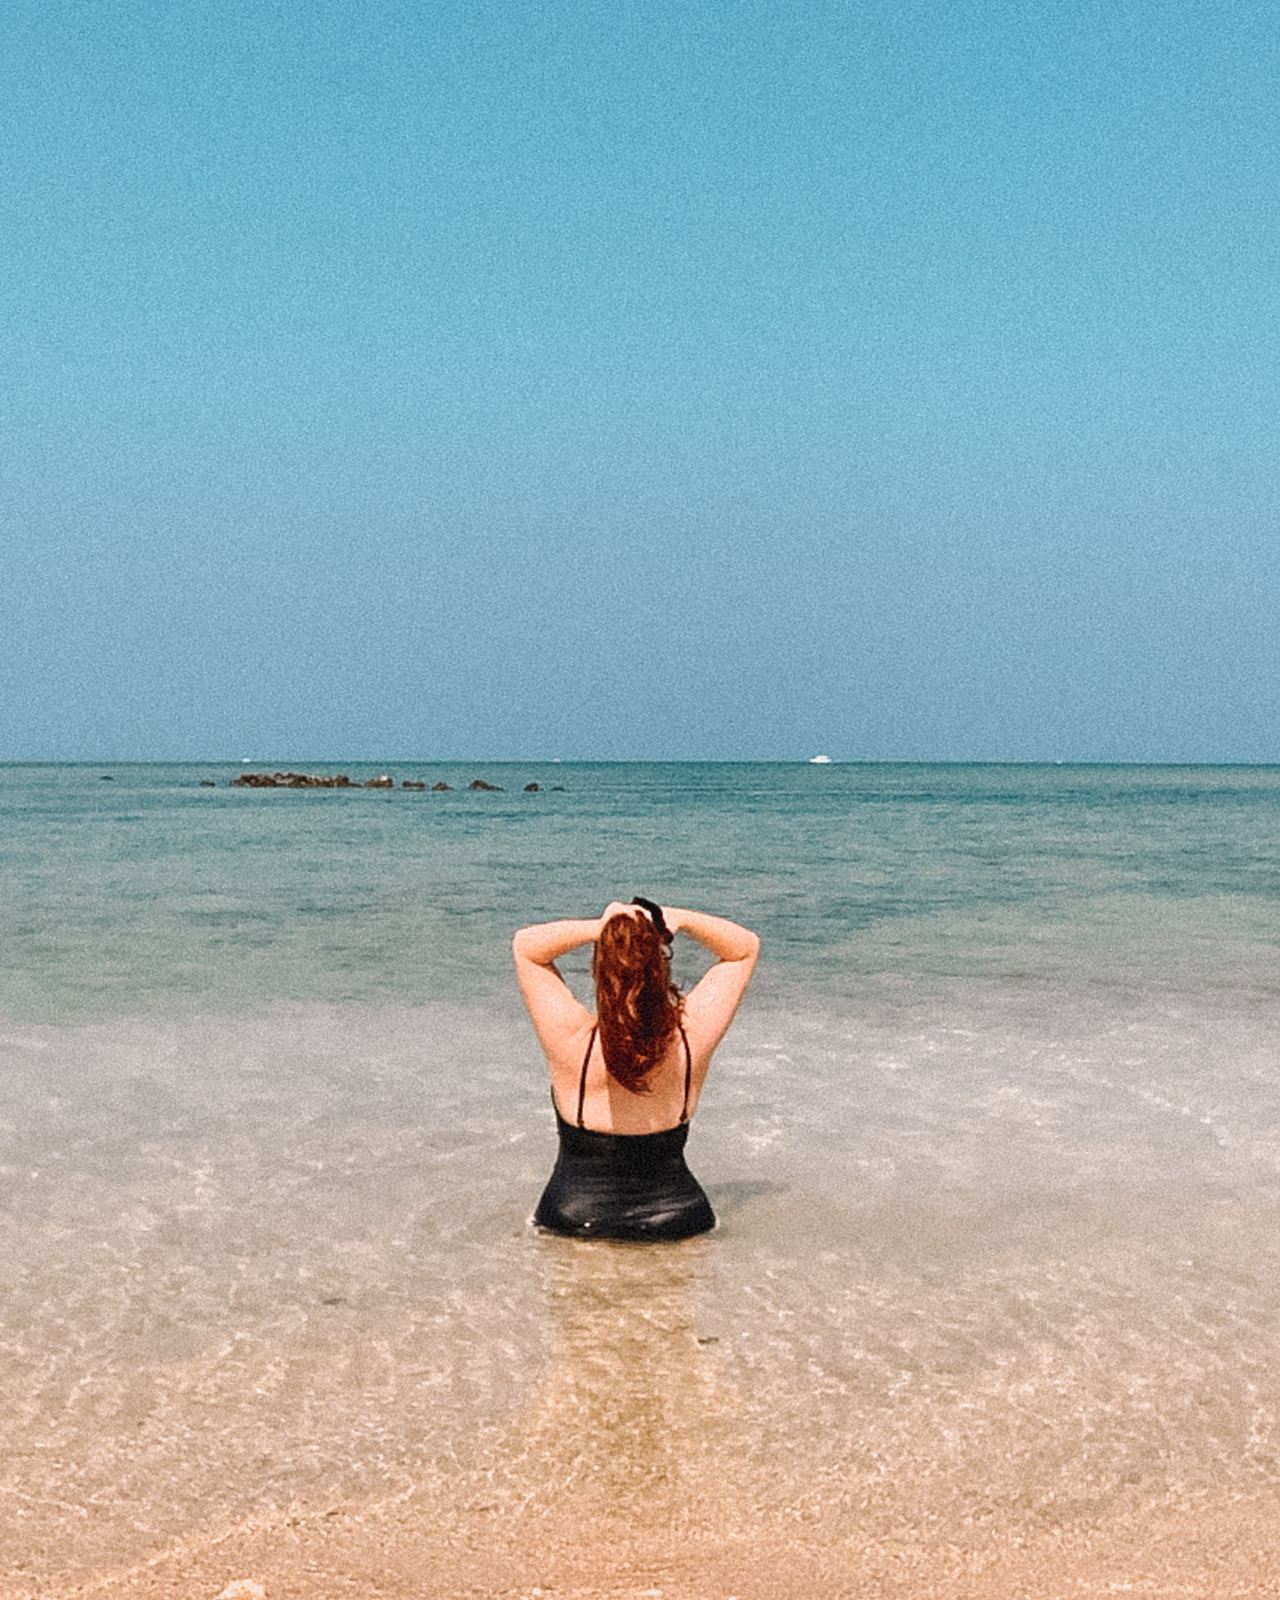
(659, 921)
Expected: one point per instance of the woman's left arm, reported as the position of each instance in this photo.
(555, 1012)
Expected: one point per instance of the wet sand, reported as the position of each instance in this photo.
(412, 1547)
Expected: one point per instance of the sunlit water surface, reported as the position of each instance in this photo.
(995, 1146)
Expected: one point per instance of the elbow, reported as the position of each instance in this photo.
(520, 943)
(749, 949)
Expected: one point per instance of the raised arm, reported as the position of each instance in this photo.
(710, 1005)
(557, 1016)
(543, 943)
(728, 941)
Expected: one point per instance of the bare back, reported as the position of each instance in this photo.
(607, 1106)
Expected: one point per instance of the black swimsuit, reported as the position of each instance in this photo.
(624, 1185)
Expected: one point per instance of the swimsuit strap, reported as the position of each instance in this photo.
(582, 1084)
(688, 1073)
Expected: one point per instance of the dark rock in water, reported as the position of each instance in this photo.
(531, 788)
(290, 780)
(105, 777)
(442, 788)
(380, 782)
(557, 788)
(412, 783)
(479, 783)
(208, 783)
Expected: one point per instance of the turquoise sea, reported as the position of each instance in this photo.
(995, 1144)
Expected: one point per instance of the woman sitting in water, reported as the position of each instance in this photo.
(631, 1075)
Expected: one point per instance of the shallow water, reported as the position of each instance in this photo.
(994, 1144)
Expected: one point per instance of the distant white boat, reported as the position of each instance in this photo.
(819, 761)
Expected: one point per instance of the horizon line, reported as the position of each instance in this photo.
(241, 763)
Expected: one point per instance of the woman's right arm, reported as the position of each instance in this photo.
(545, 942)
(710, 1005)
(556, 1015)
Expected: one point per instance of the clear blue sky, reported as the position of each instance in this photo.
(725, 380)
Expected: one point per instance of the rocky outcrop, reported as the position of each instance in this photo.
(316, 780)
(291, 780)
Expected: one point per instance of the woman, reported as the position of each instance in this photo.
(625, 1082)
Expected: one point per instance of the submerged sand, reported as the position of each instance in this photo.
(1012, 1333)
(1121, 1445)
(1088, 1406)
(413, 1548)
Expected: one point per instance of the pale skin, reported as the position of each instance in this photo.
(564, 1025)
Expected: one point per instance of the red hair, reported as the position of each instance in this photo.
(637, 1005)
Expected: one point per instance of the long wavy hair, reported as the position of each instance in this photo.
(637, 1005)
